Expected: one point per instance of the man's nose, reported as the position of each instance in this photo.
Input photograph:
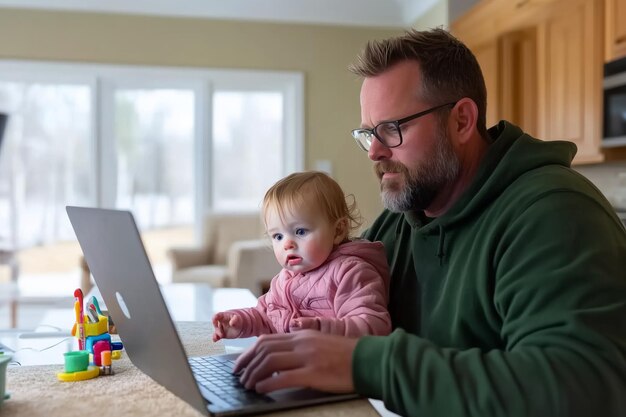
(378, 151)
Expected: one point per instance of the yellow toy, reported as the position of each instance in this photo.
(91, 329)
(77, 367)
(89, 373)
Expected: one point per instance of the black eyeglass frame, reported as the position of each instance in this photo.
(357, 132)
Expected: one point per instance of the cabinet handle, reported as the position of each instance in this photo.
(621, 39)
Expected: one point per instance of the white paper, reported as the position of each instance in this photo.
(381, 409)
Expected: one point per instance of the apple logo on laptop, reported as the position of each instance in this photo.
(122, 304)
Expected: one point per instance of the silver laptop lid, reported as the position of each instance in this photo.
(118, 261)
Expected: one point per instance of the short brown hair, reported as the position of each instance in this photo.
(316, 189)
(449, 69)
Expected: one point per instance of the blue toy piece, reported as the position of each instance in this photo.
(91, 340)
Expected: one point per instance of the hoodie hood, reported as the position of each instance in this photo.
(372, 253)
(512, 154)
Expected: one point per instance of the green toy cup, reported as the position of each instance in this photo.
(76, 361)
(4, 361)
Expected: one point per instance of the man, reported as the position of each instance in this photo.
(508, 293)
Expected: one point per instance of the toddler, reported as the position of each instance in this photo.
(328, 282)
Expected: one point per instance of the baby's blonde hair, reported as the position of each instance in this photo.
(313, 189)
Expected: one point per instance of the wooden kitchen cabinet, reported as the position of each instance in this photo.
(518, 78)
(570, 78)
(487, 57)
(543, 68)
(615, 29)
(508, 64)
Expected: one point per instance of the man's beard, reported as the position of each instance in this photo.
(418, 187)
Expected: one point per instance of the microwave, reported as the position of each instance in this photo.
(614, 123)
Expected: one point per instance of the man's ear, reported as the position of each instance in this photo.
(341, 230)
(465, 117)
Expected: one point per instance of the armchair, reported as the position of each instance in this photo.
(233, 254)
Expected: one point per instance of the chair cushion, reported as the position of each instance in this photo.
(223, 230)
(214, 275)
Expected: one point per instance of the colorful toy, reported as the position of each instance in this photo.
(77, 367)
(76, 361)
(99, 348)
(90, 373)
(106, 362)
(94, 341)
(78, 310)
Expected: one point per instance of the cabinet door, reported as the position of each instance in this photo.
(570, 85)
(487, 57)
(518, 79)
(509, 67)
(615, 29)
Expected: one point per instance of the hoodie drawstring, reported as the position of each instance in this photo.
(440, 252)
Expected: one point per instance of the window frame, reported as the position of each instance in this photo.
(104, 79)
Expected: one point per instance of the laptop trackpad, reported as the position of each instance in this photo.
(297, 394)
(307, 395)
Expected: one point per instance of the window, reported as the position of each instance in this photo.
(245, 125)
(42, 164)
(165, 143)
(154, 134)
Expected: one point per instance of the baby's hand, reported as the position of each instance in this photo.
(304, 323)
(227, 326)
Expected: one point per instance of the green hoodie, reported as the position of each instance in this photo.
(513, 303)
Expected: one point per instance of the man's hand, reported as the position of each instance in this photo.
(305, 358)
(227, 326)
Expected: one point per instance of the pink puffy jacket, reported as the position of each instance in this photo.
(348, 295)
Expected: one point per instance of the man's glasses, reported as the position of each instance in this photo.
(389, 133)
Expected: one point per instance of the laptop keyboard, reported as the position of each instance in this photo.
(216, 375)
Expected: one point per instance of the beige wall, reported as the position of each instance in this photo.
(322, 53)
(435, 16)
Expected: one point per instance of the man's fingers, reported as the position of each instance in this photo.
(243, 361)
(268, 367)
(306, 358)
(257, 365)
(285, 379)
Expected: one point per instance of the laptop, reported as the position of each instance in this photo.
(113, 249)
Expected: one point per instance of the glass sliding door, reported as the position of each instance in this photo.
(154, 136)
(247, 147)
(168, 144)
(46, 161)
